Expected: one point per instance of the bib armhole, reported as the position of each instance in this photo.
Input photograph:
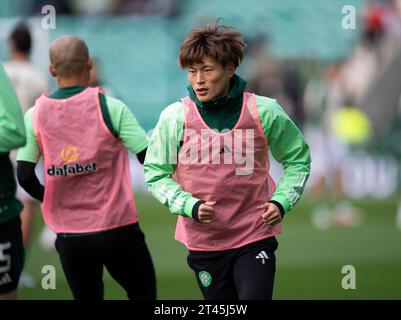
(253, 110)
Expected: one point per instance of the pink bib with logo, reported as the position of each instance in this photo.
(87, 175)
(230, 168)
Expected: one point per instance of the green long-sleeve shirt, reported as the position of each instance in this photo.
(12, 131)
(286, 143)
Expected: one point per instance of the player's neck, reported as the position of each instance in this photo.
(72, 82)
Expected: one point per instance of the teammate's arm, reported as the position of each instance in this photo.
(127, 127)
(27, 158)
(29, 181)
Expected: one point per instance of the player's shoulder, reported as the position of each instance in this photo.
(113, 102)
(266, 105)
(116, 107)
(174, 111)
(263, 102)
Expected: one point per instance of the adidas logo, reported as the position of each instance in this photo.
(262, 255)
(5, 279)
(225, 149)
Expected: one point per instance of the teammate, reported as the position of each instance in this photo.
(208, 162)
(12, 135)
(83, 135)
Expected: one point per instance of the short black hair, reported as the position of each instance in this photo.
(21, 38)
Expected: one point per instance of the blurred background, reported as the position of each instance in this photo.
(334, 66)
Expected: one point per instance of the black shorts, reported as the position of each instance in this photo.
(246, 273)
(11, 254)
(122, 251)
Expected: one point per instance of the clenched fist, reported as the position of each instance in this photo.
(271, 214)
(206, 212)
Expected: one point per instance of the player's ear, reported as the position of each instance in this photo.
(89, 64)
(52, 70)
(230, 70)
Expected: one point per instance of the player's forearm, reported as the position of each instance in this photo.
(291, 185)
(12, 132)
(288, 147)
(11, 138)
(166, 190)
(296, 164)
(28, 180)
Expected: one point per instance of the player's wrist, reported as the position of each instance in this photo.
(280, 198)
(279, 206)
(195, 210)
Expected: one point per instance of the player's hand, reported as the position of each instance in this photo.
(206, 212)
(271, 214)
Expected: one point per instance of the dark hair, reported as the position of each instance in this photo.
(221, 43)
(21, 38)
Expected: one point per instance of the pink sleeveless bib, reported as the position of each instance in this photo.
(87, 176)
(211, 167)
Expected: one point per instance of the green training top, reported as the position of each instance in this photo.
(286, 142)
(12, 131)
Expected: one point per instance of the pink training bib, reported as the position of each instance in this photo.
(231, 168)
(87, 176)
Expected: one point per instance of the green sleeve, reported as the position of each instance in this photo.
(30, 152)
(288, 147)
(161, 160)
(12, 131)
(126, 125)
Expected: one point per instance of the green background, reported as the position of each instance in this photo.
(309, 261)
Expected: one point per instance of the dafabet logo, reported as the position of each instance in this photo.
(70, 154)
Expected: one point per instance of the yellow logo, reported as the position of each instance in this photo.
(69, 153)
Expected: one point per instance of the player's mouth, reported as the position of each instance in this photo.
(201, 91)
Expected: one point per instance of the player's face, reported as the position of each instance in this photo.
(210, 79)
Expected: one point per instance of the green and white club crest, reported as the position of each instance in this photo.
(205, 278)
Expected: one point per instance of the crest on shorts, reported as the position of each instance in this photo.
(205, 278)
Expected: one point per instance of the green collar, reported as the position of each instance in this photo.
(67, 92)
(237, 88)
